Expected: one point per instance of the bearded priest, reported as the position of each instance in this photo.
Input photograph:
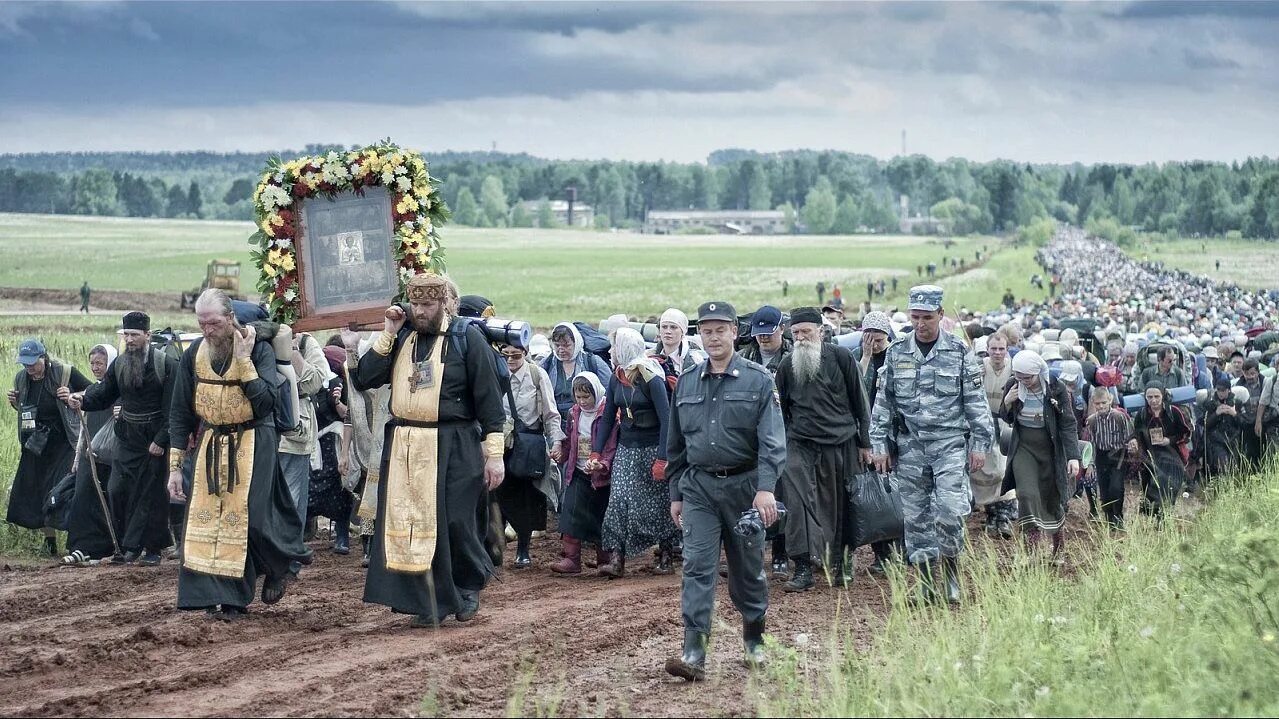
(443, 446)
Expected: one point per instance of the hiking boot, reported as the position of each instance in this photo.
(129, 557)
(571, 562)
(150, 559)
(781, 567)
(803, 579)
(950, 574)
(691, 664)
(753, 639)
(615, 568)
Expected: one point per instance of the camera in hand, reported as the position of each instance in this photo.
(751, 522)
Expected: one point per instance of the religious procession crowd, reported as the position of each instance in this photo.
(806, 433)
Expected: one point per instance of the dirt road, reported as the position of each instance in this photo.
(108, 641)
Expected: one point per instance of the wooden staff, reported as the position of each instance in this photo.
(83, 443)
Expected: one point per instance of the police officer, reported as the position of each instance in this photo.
(725, 451)
(931, 404)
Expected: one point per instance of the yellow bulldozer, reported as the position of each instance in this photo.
(220, 274)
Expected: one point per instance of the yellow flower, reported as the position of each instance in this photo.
(275, 219)
(312, 180)
(268, 270)
(374, 164)
(286, 263)
(268, 230)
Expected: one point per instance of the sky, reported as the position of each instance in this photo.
(1033, 82)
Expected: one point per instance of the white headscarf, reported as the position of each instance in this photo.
(110, 351)
(628, 353)
(1030, 363)
(588, 415)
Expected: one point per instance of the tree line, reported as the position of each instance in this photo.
(819, 192)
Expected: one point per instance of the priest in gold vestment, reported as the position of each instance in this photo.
(240, 517)
(443, 446)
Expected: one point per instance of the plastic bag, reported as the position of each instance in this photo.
(875, 509)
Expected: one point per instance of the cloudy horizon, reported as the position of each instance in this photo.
(1032, 82)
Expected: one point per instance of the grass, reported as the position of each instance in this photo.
(543, 276)
(1248, 263)
(1179, 621)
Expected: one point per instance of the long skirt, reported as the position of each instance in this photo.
(1161, 480)
(583, 509)
(326, 496)
(639, 509)
(1039, 500)
(87, 528)
(37, 473)
(523, 505)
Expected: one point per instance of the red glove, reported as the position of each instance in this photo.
(659, 470)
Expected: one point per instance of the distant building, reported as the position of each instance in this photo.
(728, 222)
(583, 214)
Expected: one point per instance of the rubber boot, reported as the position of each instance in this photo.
(691, 664)
(602, 557)
(927, 588)
(571, 562)
(342, 537)
(803, 579)
(522, 559)
(883, 554)
(753, 640)
(311, 528)
(950, 572)
(616, 567)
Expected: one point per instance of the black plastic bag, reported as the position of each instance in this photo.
(57, 506)
(875, 509)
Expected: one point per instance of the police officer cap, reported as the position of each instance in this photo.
(925, 297)
(716, 310)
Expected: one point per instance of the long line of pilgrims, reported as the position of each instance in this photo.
(1128, 374)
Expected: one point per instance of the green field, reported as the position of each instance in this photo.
(543, 276)
(1249, 263)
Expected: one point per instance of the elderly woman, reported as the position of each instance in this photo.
(47, 433)
(1160, 429)
(568, 358)
(1044, 451)
(531, 407)
(88, 534)
(638, 513)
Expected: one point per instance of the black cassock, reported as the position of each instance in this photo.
(275, 531)
(138, 497)
(87, 528)
(469, 409)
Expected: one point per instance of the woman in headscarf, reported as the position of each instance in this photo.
(638, 513)
(1044, 451)
(328, 496)
(532, 411)
(47, 433)
(88, 535)
(586, 482)
(568, 358)
(1160, 429)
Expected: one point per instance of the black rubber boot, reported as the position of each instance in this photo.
(950, 571)
(927, 588)
(51, 546)
(664, 563)
(522, 558)
(753, 640)
(691, 665)
(803, 579)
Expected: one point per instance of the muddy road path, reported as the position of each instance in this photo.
(108, 641)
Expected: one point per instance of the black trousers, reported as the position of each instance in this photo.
(1110, 483)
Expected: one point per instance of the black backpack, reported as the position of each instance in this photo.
(595, 342)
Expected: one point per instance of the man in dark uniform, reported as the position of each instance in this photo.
(443, 447)
(142, 379)
(725, 451)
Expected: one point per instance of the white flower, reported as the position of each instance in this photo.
(278, 177)
(290, 295)
(388, 177)
(354, 168)
(284, 243)
(1147, 632)
(404, 184)
(332, 156)
(1042, 692)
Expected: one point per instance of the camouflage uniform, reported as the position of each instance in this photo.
(934, 409)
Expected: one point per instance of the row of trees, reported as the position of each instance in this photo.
(821, 192)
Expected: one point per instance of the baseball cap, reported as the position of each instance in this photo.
(30, 351)
(765, 321)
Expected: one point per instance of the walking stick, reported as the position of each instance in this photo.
(97, 486)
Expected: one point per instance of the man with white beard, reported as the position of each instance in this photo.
(827, 440)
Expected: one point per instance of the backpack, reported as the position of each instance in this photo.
(595, 342)
(671, 372)
(458, 340)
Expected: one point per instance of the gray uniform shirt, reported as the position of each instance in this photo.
(723, 421)
(938, 397)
